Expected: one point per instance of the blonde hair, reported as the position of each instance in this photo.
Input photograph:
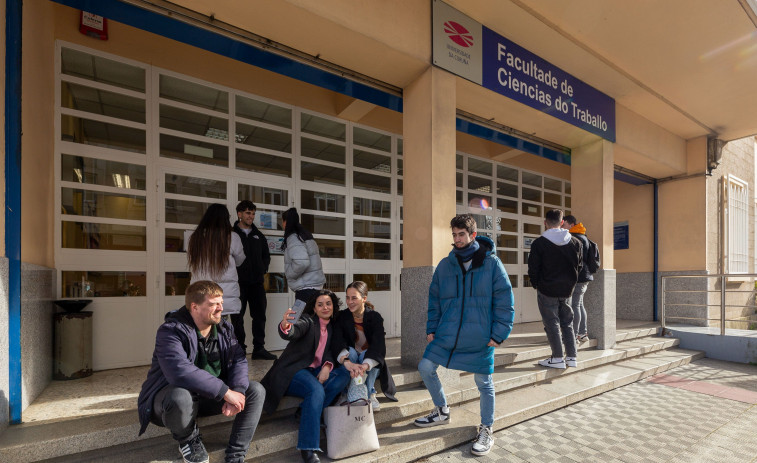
(199, 290)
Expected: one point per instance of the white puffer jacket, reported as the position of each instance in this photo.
(302, 264)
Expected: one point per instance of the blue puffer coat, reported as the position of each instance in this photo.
(467, 309)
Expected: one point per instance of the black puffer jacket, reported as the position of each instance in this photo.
(553, 269)
(257, 256)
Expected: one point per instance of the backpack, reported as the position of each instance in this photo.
(593, 262)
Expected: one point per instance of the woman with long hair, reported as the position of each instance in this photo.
(302, 260)
(214, 253)
(360, 342)
(302, 371)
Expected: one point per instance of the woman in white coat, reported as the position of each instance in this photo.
(214, 253)
(302, 260)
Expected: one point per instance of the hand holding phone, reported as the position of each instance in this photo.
(298, 308)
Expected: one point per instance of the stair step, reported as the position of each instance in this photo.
(115, 434)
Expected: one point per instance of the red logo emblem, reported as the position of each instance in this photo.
(458, 34)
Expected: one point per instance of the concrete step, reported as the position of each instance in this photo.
(117, 432)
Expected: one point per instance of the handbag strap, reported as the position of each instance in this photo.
(357, 403)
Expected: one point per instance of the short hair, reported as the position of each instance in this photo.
(199, 290)
(464, 222)
(554, 217)
(571, 219)
(246, 205)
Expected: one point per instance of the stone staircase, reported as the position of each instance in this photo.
(524, 390)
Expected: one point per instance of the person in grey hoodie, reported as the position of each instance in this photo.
(302, 260)
(554, 263)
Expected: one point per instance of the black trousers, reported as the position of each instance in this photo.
(254, 295)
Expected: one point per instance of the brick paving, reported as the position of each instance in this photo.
(657, 420)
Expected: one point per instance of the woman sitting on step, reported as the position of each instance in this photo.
(360, 342)
(306, 369)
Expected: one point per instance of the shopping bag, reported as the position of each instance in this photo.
(350, 429)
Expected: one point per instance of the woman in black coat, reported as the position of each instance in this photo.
(306, 369)
(360, 342)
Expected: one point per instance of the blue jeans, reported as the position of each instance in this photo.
(579, 311)
(370, 377)
(485, 385)
(317, 397)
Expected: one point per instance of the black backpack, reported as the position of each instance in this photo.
(593, 262)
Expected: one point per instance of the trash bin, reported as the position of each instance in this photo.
(73, 345)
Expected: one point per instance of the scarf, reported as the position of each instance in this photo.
(467, 252)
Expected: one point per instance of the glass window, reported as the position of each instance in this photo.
(177, 283)
(458, 161)
(172, 88)
(193, 122)
(321, 150)
(484, 222)
(323, 127)
(480, 167)
(319, 173)
(553, 199)
(104, 134)
(264, 138)
(335, 282)
(103, 284)
(532, 228)
(322, 225)
(371, 182)
(369, 250)
(531, 209)
(98, 69)
(102, 102)
(508, 225)
(195, 186)
(99, 172)
(531, 179)
(399, 186)
(331, 249)
(400, 165)
(190, 212)
(507, 173)
(263, 194)
(458, 197)
(480, 184)
(371, 229)
(263, 112)
(508, 257)
(265, 163)
(84, 235)
(552, 184)
(99, 204)
(567, 188)
(459, 179)
(526, 281)
(319, 201)
(194, 151)
(507, 241)
(266, 219)
(513, 280)
(174, 240)
(372, 161)
(530, 194)
(372, 207)
(275, 283)
(371, 139)
(567, 202)
(507, 205)
(375, 282)
(479, 201)
(507, 189)
(400, 146)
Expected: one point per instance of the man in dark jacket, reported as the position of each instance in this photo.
(470, 312)
(554, 263)
(250, 273)
(578, 230)
(199, 369)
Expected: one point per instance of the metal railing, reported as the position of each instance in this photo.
(723, 279)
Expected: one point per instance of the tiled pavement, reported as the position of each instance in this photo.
(647, 421)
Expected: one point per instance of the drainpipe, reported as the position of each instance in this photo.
(13, 17)
(656, 252)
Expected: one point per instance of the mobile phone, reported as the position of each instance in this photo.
(298, 308)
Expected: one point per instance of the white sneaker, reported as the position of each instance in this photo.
(571, 361)
(553, 362)
(582, 338)
(439, 415)
(375, 404)
(484, 441)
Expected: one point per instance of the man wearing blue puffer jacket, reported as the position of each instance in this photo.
(470, 312)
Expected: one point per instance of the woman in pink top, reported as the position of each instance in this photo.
(307, 369)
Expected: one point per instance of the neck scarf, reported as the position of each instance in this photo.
(467, 252)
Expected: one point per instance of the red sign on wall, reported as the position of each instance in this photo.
(93, 25)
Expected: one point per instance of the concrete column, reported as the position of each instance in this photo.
(429, 197)
(592, 198)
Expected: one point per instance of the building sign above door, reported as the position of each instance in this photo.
(471, 50)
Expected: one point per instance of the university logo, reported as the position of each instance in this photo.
(458, 34)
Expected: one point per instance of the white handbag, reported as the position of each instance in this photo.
(350, 429)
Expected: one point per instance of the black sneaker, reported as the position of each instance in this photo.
(439, 415)
(194, 451)
(262, 354)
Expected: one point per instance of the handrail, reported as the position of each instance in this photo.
(723, 277)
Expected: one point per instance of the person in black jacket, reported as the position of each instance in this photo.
(360, 342)
(554, 262)
(251, 273)
(578, 230)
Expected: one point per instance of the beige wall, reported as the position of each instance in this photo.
(635, 205)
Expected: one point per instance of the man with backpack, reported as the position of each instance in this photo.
(591, 265)
(554, 262)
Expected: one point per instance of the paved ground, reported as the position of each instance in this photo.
(680, 416)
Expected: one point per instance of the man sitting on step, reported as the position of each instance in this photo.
(199, 369)
(470, 312)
